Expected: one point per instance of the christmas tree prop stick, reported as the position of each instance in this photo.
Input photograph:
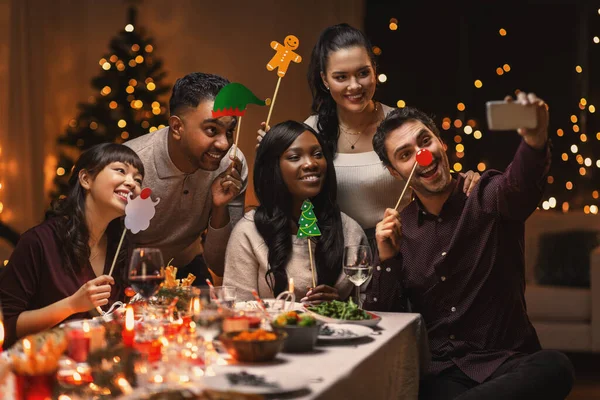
(231, 101)
(284, 55)
(273, 102)
(423, 158)
(307, 228)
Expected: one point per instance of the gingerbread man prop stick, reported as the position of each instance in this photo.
(281, 61)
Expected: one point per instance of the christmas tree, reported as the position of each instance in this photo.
(307, 224)
(126, 104)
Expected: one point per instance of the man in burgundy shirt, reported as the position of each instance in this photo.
(459, 260)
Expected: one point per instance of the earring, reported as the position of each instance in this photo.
(326, 87)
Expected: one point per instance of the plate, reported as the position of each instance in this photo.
(272, 308)
(375, 319)
(272, 381)
(343, 332)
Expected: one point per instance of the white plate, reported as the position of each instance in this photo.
(272, 308)
(279, 381)
(345, 332)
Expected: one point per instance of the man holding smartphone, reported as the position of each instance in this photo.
(460, 262)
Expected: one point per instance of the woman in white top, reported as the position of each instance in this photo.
(342, 79)
(291, 165)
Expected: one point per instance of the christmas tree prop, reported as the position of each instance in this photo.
(281, 61)
(232, 101)
(125, 103)
(307, 228)
(423, 158)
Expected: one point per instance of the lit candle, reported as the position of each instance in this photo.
(27, 347)
(1, 335)
(78, 339)
(291, 285)
(195, 306)
(128, 332)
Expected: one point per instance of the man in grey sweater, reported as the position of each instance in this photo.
(190, 166)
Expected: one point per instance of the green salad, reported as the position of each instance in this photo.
(340, 310)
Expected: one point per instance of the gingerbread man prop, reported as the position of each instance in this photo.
(285, 55)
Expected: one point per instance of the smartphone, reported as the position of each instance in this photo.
(503, 116)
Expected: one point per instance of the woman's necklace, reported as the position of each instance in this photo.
(347, 132)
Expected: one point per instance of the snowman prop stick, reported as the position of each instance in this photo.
(138, 213)
(307, 228)
(423, 158)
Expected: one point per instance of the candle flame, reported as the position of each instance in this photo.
(26, 345)
(1, 334)
(124, 385)
(77, 377)
(196, 306)
(129, 322)
(86, 327)
(291, 286)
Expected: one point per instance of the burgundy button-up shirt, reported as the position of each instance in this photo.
(463, 270)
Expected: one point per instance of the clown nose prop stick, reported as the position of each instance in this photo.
(423, 158)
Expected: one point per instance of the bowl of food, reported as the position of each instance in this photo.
(341, 312)
(302, 331)
(253, 345)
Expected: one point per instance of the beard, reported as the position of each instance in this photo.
(437, 186)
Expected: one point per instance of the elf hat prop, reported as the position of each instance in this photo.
(233, 99)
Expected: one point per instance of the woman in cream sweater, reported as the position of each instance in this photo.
(292, 165)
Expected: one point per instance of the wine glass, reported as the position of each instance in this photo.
(146, 271)
(358, 266)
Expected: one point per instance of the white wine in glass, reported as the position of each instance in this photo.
(358, 266)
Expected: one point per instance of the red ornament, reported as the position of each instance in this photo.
(424, 157)
(145, 193)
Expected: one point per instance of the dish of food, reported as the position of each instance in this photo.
(341, 312)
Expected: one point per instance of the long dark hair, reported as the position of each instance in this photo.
(333, 38)
(274, 214)
(69, 211)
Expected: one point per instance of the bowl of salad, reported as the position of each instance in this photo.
(341, 312)
(302, 331)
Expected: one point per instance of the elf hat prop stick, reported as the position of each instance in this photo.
(307, 228)
(423, 158)
(231, 101)
(284, 55)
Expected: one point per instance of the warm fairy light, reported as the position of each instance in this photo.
(506, 67)
(124, 135)
(457, 123)
(133, 82)
(93, 125)
(502, 32)
(73, 123)
(445, 125)
(106, 66)
(376, 50)
(393, 24)
(569, 185)
(586, 209)
(596, 39)
(137, 104)
(550, 179)
(460, 107)
(560, 132)
(583, 101)
(153, 129)
(130, 89)
(565, 207)
(129, 28)
(5, 261)
(151, 86)
(401, 103)
(457, 167)
(591, 108)
(122, 123)
(113, 104)
(139, 59)
(481, 167)
(552, 202)
(129, 321)
(145, 124)
(148, 48)
(105, 91)
(468, 130)
(102, 61)
(291, 285)
(155, 104)
(477, 134)
(382, 78)
(578, 69)
(156, 111)
(158, 379)
(582, 171)
(457, 139)
(460, 154)
(546, 205)
(594, 209)
(583, 137)
(564, 156)
(60, 171)
(460, 148)
(574, 149)
(135, 47)
(132, 63)
(574, 119)
(120, 66)
(195, 306)
(478, 84)
(472, 123)
(581, 106)
(575, 128)
(579, 159)
(113, 58)
(499, 71)
(597, 135)
(598, 163)
(595, 194)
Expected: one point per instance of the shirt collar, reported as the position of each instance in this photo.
(454, 203)
(165, 168)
